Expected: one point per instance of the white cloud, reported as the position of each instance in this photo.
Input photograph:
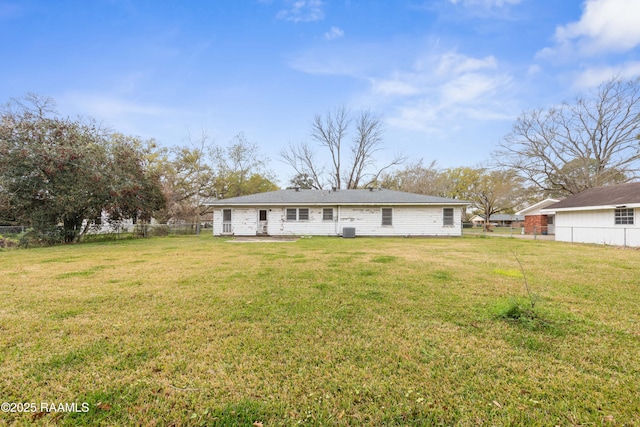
(333, 33)
(436, 91)
(443, 89)
(605, 26)
(395, 86)
(534, 69)
(303, 11)
(454, 63)
(448, 70)
(106, 106)
(120, 113)
(595, 76)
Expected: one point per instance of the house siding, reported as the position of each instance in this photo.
(596, 226)
(407, 221)
(367, 220)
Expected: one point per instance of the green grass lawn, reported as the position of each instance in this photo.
(323, 331)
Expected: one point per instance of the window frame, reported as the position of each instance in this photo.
(388, 218)
(288, 211)
(326, 217)
(624, 216)
(448, 220)
(297, 217)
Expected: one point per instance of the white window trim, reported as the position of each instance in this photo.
(297, 215)
(286, 214)
(453, 218)
(382, 217)
(332, 215)
(627, 217)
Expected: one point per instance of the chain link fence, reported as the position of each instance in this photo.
(25, 236)
(614, 236)
(535, 232)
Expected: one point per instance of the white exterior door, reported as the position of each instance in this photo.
(262, 222)
(551, 226)
(227, 227)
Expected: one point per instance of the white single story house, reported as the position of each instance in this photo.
(535, 222)
(368, 212)
(605, 215)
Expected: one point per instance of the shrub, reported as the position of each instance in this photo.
(6, 242)
(43, 237)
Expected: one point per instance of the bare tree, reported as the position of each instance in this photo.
(583, 144)
(352, 157)
(329, 131)
(302, 159)
(32, 105)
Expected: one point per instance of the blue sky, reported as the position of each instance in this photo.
(448, 76)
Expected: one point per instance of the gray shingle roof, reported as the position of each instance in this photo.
(339, 197)
(610, 195)
(506, 217)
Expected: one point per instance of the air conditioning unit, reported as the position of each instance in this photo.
(348, 232)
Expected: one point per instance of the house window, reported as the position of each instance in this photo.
(292, 214)
(387, 216)
(447, 217)
(327, 214)
(300, 214)
(624, 216)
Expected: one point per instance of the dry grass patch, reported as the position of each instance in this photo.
(197, 331)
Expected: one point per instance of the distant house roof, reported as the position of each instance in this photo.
(610, 196)
(535, 208)
(506, 217)
(498, 217)
(334, 197)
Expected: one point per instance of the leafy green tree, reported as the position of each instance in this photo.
(53, 171)
(496, 191)
(303, 181)
(56, 171)
(242, 169)
(190, 178)
(414, 178)
(457, 183)
(135, 190)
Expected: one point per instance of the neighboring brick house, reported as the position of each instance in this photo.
(536, 222)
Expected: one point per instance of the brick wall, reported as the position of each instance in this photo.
(535, 222)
